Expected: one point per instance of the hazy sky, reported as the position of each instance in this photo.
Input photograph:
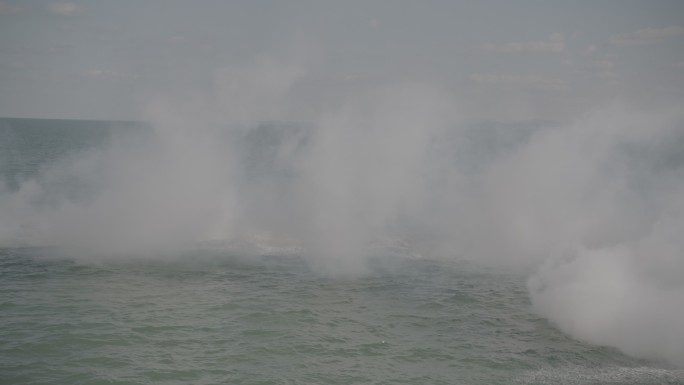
(507, 59)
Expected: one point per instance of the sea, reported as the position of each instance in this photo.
(208, 313)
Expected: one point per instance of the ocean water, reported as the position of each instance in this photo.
(212, 319)
(210, 313)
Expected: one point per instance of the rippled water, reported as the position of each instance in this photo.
(207, 318)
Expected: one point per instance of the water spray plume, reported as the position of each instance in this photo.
(595, 206)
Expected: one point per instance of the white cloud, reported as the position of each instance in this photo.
(555, 43)
(646, 35)
(528, 81)
(64, 9)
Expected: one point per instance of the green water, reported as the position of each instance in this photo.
(211, 319)
(214, 316)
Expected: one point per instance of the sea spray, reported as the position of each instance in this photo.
(593, 205)
(616, 277)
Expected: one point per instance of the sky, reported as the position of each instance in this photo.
(505, 60)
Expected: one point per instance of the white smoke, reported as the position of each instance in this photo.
(595, 206)
(604, 198)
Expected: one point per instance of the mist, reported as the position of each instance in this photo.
(593, 206)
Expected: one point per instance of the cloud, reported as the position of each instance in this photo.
(554, 44)
(646, 36)
(528, 81)
(64, 9)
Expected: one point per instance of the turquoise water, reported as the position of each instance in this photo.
(212, 315)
